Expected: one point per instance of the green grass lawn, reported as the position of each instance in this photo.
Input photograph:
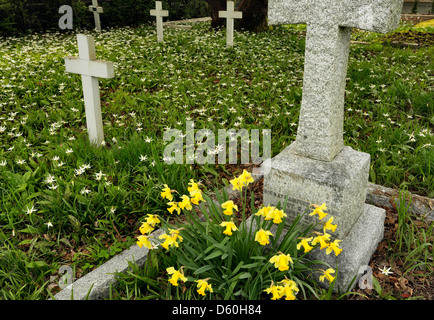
(66, 203)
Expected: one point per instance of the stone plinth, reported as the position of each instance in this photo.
(340, 183)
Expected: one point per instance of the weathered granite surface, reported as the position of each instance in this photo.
(340, 183)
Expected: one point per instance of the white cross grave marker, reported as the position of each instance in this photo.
(96, 11)
(90, 70)
(230, 15)
(159, 13)
(329, 23)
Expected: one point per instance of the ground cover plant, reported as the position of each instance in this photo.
(66, 203)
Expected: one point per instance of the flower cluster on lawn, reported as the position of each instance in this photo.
(231, 228)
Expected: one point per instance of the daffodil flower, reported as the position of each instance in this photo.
(193, 188)
(196, 197)
(229, 206)
(335, 247)
(174, 206)
(185, 203)
(305, 243)
(203, 286)
(176, 276)
(266, 212)
(166, 193)
(246, 177)
(230, 226)
(319, 210)
(288, 288)
(145, 228)
(275, 291)
(262, 236)
(327, 275)
(152, 219)
(281, 261)
(171, 240)
(277, 215)
(271, 213)
(329, 226)
(144, 241)
(237, 184)
(322, 240)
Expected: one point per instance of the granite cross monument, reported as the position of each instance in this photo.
(317, 168)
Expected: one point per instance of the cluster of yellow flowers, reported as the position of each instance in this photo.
(177, 275)
(186, 201)
(172, 237)
(145, 229)
(322, 238)
(242, 181)
(287, 288)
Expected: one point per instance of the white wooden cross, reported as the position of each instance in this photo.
(329, 23)
(159, 13)
(96, 11)
(90, 70)
(230, 15)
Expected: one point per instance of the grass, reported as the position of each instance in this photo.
(66, 203)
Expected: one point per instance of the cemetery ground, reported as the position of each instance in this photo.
(66, 203)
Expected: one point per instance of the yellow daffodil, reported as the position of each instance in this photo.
(270, 212)
(185, 203)
(152, 219)
(327, 275)
(196, 197)
(203, 286)
(174, 206)
(290, 284)
(305, 243)
(262, 236)
(278, 215)
(288, 288)
(145, 228)
(194, 187)
(322, 240)
(229, 206)
(171, 240)
(329, 226)
(246, 177)
(281, 261)
(176, 276)
(275, 291)
(286, 291)
(167, 193)
(335, 247)
(143, 241)
(266, 212)
(230, 226)
(237, 184)
(319, 210)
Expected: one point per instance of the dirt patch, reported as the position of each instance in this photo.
(412, 38)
